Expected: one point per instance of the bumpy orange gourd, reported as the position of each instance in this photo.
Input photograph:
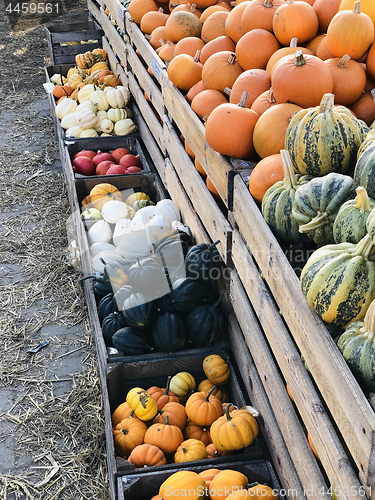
(203, 408)
(147, 455)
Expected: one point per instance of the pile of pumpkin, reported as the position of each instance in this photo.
(256, 48)
(91, 102)
(176, 424)
(155, 287)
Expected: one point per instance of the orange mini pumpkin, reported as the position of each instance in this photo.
(62, 91)
(195, 431)
(189, 450)
(147, 455)
(216, 369)
(122, 411)
(128, 434)
(185, 71)
(226, 482)
(212, 451)
(163, 396)
(221, 70)
(101, 193)
(203, 408)
(264, 175)
(219, 392)
(176, 415)
(165, 436)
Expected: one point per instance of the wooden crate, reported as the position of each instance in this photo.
(77, 32)
(94, 9)
(145, 485)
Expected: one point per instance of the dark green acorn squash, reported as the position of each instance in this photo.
(102, 285)
(107, 305)
(205, 324)
(187, 294)
(350, 222)
(356, 345)
(111, 324)
(317, 202)
(364, 172)
(121, 295)
(203, 262)
(131, 341)
(278, 202)
(173, 249)
(168, 333)
(147, 276)
(139, 311)
(338, 281)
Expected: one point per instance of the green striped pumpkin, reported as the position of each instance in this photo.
(370, 137)
(338, 281)
(278, 201)
(356, 345)
(370, 225)
(316, 205)
(323, 139)
(364, 172)
(350, 222)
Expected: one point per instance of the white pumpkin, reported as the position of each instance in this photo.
(115, 210)
(85, 92)
(57, 79)
(157, 226)
(85, 105)
(86, 119)
(99, 100)
(135, 245)
(100, 116)
(144, 214)
(115, 98)
(100, 247)
(75, 132)
(106, 126)
(65, 107)
(89, 132)
(125, 93)
(115, 115)
(168, 208)
(99, 232)
(107, 256)
(69, 120)
(124, 127)
(123, 226)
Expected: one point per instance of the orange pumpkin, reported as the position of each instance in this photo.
(233, 23)
(226, 482)
(350, 32)
(147, 455)
(349, 79)
(295, 19)
(189, 45)
(212, 9)
(219, 392)
(138, 8)
(166, 51)
(221, 70)
(176, 415)
(216, 45)
(212, 451)
(163, 396)
(216, 369)
(214, 26)
(264, 175)
(259, 15)
(254, 490)
(152, 20)
(367, 7)
(203, 4)
(263, 102)
(185, 485)
(203, 408)
(370, 62)
(185, 71)
(212, 189)
(102, 74)
(122, 411)
(60, 99)
(301, 79)
(195, 431)
(181, 25)
(208, 475)
(364, 107)
(111, 81)
(254, 49)
(187, 7)
(325, 10)
(156, 35)
(101, 193)
(62, 91)
(199, 167)
(322, 50)
(194, 90)
(254, 82)
(189, 450)
(165, 436)
(270, 129)
(285, 51)
(205, 102)
(128, 434)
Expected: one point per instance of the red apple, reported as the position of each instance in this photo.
(133, 170)
(130, 161)
(116, 169)
(103, 157)
(103, 166)
(119, 153)
(89, 154)
(83, 165)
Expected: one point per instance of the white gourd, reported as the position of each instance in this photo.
(106, 126)
(124, 127)
(99, 100)
(157, 226)
(123, 226)
(114, 210)
(115, 98)
(168, 208)
(100, 247)
(75, 132)
(69, 120)
(99, 232)
(86, 118)
(116, 115)
(135, 245)
(65, 107)
(89, 132)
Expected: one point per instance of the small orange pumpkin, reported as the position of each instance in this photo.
(263, 102)
(185, 71)
(216, 369)
(254, 49)
(138, 8)
(163, 396)
(195, 431)
(252, 81)
(189, 450)
(226, 482)
(205, 102)
(216, 45)
(103, 192)
(214, 26)
(189, 45)
(259, 14)
(349, 79)
(121, 412)
(62, 91)
(147, 455)
(221, 70)
(295, 19)
(265, 174)
(176, 415)
(182, 24)
(212, 451)
(128, 434)
(203, 408)
(165, 436)
(325, 10)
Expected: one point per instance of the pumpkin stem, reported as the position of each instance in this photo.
(363, 201)
(299, 59)
(197, 54)
(271, 96)
(125, 431)
(368, 328)
(357, 7)
(342, 62)
(290, 179)
(227, 91)
(166, 422)
(210, 392)
(327, 103)
(251, 485)
(214, 306)
(318, 221)
(294, 42)
(193, 8)
(131, 414)
(244, 99)
(364, 248)
(213, 244)
(166, 393)
(227, 414)
(268, 4)
(185, 450)
(232, 58)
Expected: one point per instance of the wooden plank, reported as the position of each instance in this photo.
(118, 12)
(114, 64)
(94, 10)
(207, 209)
(330, 450)
(114, 39)
(345, 400)
(145, 81)
(151, 120)
(178, 195)
(259, 399)
(137, 38)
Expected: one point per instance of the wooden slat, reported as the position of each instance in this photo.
(207, 209)
(153, 124)
(114, 64)
(114, 39)
(118, 12)
(178, 195)
(94, 10)
(137, 38)
(145, 81)
(344, 398)
(333, 457)
(268, 423)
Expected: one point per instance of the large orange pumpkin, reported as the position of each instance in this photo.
(265, 101)
(349, 79)
(264, 175)
(216, 45)
(214, 26)
(194, 90)
(370, 62)
(295, 19)
(259, 14)
(322, 50)
(367, 6)
(205, 102)
(181, 25)
(350, 32)
(270, 129)
(152, 20)
(364, 107)
(229, 129)
(184, 71)
(325, 10)
(212, 9)
(285, 51)
(233, 23)
(189, 45)
(138, 8)
(254, 82)
(147, 455)
(254, 49)
(203, 408)
(301, 79)
(221, 70)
